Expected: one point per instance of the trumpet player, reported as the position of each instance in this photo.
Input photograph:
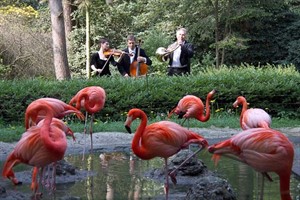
(179, 59)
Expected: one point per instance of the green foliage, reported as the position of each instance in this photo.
(275, 89)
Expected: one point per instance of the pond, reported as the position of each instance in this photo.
(119, 175)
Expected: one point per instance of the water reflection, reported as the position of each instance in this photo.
(247, 183)
(119, 175)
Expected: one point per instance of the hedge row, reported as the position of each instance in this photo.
(275, 89)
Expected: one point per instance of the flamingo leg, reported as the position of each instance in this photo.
(262, 187)
(91, 131)
(34, 184)
(167, 179)
(84, 132)
(172, 174)
(53, 177)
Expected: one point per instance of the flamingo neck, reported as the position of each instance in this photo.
(87, 106)
(45, 133)
(202, 117)
(244, 108)
(285, 187)
(136, 145)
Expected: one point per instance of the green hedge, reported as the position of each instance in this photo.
(275, 89)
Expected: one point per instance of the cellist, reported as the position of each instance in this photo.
(132, 55)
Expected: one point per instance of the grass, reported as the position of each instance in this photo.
(12, 133)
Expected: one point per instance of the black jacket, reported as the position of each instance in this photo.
(99, 64)
(187, 52)
(124, 64)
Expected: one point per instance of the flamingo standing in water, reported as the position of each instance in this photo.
(265, 150)
(160, 139)
(191, 106)
(48, 108)
(253, 117)
(92, 99)
(39, 146)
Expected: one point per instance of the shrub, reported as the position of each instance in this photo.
(275, 89)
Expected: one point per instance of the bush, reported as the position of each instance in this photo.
(275, 89)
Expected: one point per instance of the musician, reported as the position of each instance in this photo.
(179, 60)
(100, 62)
(132, 55)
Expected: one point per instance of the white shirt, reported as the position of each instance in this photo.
(176, 58)
(132, 52)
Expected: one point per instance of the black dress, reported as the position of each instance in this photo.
(99, 64)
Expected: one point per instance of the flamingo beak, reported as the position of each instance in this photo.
(128, 129)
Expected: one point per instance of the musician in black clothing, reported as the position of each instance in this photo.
(131, 55)
(182, 52)
(101, 60)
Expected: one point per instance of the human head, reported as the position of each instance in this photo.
(104, 43)
(181, 34)
(131, 41)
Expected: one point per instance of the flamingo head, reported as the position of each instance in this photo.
(132, 115)
(239, 101)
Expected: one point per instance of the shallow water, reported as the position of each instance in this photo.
(119, 175)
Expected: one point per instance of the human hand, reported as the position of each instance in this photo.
(141, 59)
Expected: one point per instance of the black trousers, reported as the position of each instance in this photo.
(175, 71)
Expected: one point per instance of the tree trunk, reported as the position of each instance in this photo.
(108, 2)
(217, 32)
(67, 7)
(87, 42)
(62, 71)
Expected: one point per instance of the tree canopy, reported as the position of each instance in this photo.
(232, 31)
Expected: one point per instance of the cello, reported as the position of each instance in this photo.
(137, 68)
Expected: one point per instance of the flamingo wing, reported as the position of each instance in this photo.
(256, 118)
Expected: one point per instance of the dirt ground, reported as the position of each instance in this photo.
(111, 141)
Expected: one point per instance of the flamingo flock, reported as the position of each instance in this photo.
(44, 141)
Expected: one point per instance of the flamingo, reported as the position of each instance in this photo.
(191, 106)
(39, 146)
(92, 99)
(161, 139)
(49, 107)
(43, 107)
(252, 118)
(264, 149)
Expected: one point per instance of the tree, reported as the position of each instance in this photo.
(59, 40)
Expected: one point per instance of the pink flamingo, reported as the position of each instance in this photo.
(48, 107)
(160, 139)
(39, 146)
(253, 117)
(92, 99)
(265, 150)
(191, 106)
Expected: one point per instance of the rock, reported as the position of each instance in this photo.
(63, 167)
(211, 187)
(192, 167)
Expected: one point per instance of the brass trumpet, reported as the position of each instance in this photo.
(163, 53)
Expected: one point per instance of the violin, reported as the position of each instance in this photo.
(114, 52)
(138, 68)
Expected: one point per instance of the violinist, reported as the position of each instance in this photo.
(131, 55)
(102, 59)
